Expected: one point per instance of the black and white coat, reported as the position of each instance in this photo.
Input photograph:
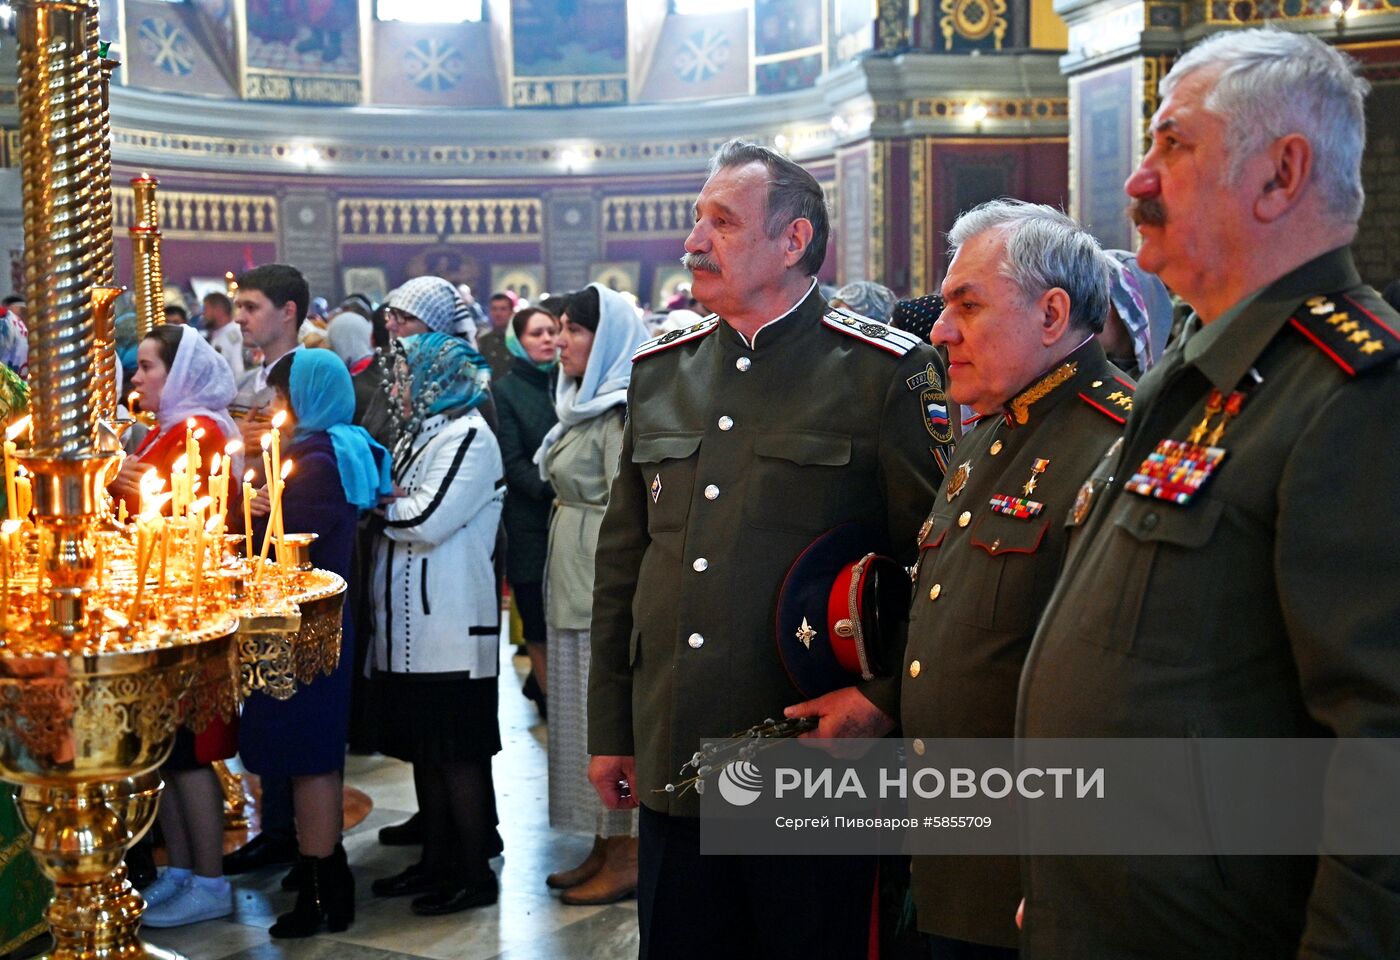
(436, 608)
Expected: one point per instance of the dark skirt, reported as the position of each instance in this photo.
(432, 719)
(305, 735)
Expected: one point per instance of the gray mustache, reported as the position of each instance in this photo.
(699, 261)
(1149, 213)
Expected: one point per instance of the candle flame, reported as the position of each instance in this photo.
(286, 469)
(215, 522)
(182, 463)
(200, 504)
(199, 434)
(151, 482)
(266, 441)
(279, 418)
(10, 527)
(248, 477)
(216, 465)
(189, 423)
(18, 427)
(232, 447)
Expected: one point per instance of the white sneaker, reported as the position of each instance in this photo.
(199, 900)
(166, 886)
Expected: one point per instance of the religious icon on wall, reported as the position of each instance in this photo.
(303, 51)
(448, 262)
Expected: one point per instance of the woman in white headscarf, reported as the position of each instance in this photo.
(579, 457)
(188, 386)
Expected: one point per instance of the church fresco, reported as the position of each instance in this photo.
(568, 52)
(302, 51)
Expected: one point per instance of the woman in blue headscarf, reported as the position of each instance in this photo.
(437, 617)
(338, 471)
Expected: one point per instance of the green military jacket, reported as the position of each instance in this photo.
(1264, 606)
(734, 458)
(989, 554)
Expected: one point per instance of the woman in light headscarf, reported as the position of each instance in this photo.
(437, 618)
(579, 458)
(186, 384)
(338, 472)
(429, 305)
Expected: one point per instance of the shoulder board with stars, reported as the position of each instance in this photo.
(873, 332)
(1111, 396)
(1357, 332)
(676, 337)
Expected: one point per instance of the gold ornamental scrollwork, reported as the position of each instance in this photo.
(973, 20)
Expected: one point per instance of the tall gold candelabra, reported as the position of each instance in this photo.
(145, 248)
(105, 649)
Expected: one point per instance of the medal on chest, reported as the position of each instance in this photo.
(1177, 469)
(1022, 508)
(958, 480)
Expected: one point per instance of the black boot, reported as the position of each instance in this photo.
(327, 894)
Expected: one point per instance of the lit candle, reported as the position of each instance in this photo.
(281, 535)
(200, 533)
(267, 460)
(144, 549)
(163, 532)
(121, 511)
(97, 562)
(24, 495)
(7, 532)
(179, 492)
(278, 419)
(11, 467)
(248, 514)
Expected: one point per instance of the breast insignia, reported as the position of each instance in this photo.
(1355, 333)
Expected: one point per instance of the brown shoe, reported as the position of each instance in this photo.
(616, 881)
(584, 871)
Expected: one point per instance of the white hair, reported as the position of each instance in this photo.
(1045, 249)
(1272, 83)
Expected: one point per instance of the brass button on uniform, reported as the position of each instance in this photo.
(918, 746)
(696, 641)
(1097, 383)
(996, 448)
(701, 564)
(712, 492)
(965, 518)
(914, 668)
(726, 423)
(935, 591)
(1149, 521)
(743, 364)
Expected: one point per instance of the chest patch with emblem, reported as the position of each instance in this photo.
(935, 404)
(656, 488)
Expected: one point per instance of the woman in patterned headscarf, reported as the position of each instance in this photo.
(437, 618)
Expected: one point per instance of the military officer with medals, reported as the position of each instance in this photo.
(1026, 293)
(1234, 574)
(749, 435)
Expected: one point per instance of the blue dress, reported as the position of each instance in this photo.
(306, 735)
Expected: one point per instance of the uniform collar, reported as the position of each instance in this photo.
(1226, 349)
(776, 326)
(1047, 390)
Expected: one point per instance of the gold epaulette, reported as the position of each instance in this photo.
(1357, 330)
(1111, 396)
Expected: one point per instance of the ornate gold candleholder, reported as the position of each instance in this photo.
(104, 652)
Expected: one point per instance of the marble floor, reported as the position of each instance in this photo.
(529, 922)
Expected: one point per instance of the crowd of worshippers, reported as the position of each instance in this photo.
(436, 445)
(449, 454)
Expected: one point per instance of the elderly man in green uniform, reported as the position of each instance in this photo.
(1235, 571)
(1026, 294)
(748, 436)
